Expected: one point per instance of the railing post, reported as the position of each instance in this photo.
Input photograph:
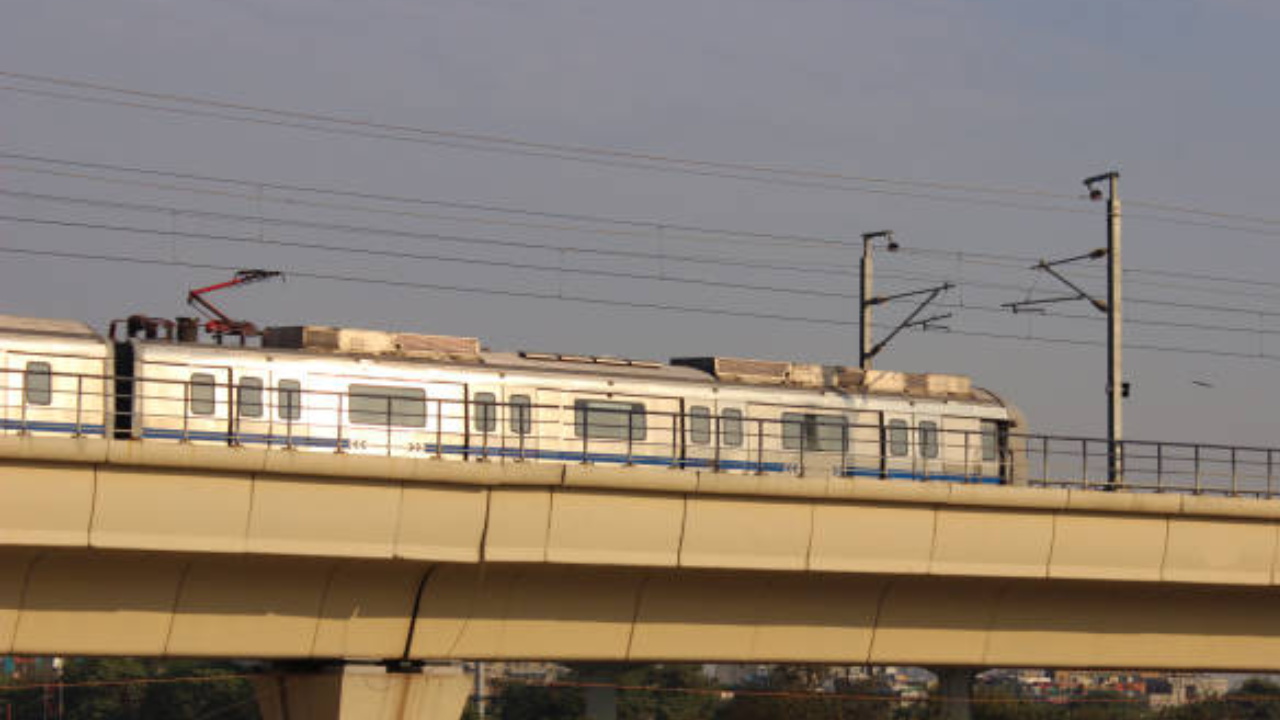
(716, 429)
(388, 427)
(524, 425)
(1044, 461)
(1269, 474)
(844, 449)
(677, 428)
(1159, 467)
(586, 429)
(760, 446)
(439, 428)
(631, 422)
(1084, 463)
(80, 402)
(186, 403)
(337, 443)
(1197, 469)
(1233, 473)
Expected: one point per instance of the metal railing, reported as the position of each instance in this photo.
(956, 450)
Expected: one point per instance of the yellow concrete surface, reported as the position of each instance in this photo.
(153, 509)
(250, 607)
(360, 693)
(992, 542)
(746, 533)
(320, 516)
(30, 448)
(519, 521)
(98, 604)
(1230, 507)
(367, 610)
(441, 522)
(45, 505)
(872, 538)
(1004, 496)
(935, 621)
(615, 528)
(1231, 552)
(13, 581)
(1095, 625)
(516, 611)
(630, 478)
(1124, 503)
(888, 491)
(1094, 546)
(826, 618)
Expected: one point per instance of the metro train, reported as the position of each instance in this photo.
(324, 389)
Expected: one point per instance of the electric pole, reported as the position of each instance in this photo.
(1115, 328)
(864, 322)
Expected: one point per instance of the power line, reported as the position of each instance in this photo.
(801, 177)
(1005, 260)
(258, 240)
(666, 307)
(542, 146)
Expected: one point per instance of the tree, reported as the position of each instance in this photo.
(517, 701)
(793, 692)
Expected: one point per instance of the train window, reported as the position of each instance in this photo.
(821, 433)
(990, 433)
(37, 384)
(731, 428)
(520, 409)
(485, 407)
(289, 400)
(249, 397)
(928, 439)
(382, 405)
(699, 424)
(201, 397)
(608, 420)
(899, 440)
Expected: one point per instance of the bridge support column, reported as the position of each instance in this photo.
(955, 692)
(363, 693)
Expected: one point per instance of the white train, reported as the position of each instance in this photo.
(323, 389)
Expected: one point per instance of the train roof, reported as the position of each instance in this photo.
(53, 327)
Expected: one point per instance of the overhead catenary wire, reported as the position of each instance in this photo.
(666, 307)
(602, 155)
(1001, 260)
(832, 269)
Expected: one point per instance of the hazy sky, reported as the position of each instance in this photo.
(1179, 95)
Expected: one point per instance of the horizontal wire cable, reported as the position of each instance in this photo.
(554, 147)
(1006, 261)
(497, 292)
(468, 240)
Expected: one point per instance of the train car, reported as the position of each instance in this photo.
(409, 395)
(53, 378)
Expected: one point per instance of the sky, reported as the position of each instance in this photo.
(1028, 97)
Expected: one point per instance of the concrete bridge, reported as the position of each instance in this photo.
(156, 549)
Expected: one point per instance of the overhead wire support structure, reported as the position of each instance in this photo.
(866, 349)
(1117, 388)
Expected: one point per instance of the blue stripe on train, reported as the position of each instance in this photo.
(573, 456)
(54, 427)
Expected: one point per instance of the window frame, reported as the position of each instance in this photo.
(484, 412)
(699, 428)
(803, 431)
(732, 428)
(197, 404)
(393, 398)
(520, 413)
(989, 431)
(635, 411)
(897, 438)
(244, 386)
(288, 400)
(927, 439)
(37, 396)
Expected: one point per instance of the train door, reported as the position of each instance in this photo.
(485, 414)
(552, 426)
(961, 448)
(701, 442)
(289, 406)
(805, 441)
(403, 418)
(929, 440)
(899, 445)
(189, 402)
(520, 422)
(734, 449)
(865, 456)
(251, 425)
